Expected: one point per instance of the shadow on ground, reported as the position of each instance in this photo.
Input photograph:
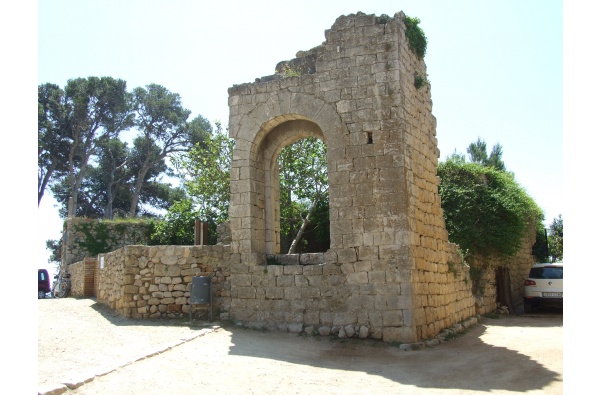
(471, 362)
(465, 363)
(200, 318)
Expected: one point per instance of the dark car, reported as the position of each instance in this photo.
(43, 283)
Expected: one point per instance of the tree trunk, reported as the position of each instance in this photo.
(108, 210)
(44, 183)
(305, 223)
(111, 187)
(138, 187)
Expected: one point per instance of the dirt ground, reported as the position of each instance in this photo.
(85, 346)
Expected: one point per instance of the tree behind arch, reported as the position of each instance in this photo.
(303, 189)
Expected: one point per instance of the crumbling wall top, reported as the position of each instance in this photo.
(305, 61)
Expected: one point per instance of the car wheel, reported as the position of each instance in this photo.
(527, 306)
(41, 294)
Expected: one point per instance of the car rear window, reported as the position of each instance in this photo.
(546, 272)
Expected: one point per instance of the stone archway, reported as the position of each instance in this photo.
(279, 137)
(262, 133)
(385, 274)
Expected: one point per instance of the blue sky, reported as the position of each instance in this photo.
(496, 68)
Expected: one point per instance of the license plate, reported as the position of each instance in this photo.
(551, 294)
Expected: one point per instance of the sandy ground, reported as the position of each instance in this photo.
(83, 345)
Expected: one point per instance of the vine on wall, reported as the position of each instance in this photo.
(105, 236)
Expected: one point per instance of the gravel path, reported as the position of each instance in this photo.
(84, 349)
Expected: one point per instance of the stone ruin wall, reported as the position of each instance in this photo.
(155, 281)
(387, 266)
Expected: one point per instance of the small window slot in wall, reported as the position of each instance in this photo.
(369, 137)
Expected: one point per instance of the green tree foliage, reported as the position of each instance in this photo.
(417, 41)
(478, 154)
(486, 211)
(55, 250)
(95, 109)
(549, 242)
(555, 239)
(304, 206)
(303, 189)
(205, 172)
(53, 138)
(315, 237)
(177, 226)
(112, 172)
(540, 248)
(80, 154)
(106, 188)
(162, 123)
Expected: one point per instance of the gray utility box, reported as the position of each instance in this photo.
(201, 293)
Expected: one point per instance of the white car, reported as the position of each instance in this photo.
(544, 286)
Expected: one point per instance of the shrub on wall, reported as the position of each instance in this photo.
(107, 235)
(417, 41)
(486, 211)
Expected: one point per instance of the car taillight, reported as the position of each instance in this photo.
(529, 282)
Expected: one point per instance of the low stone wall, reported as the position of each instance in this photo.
(83, 278)
(155, 281)
(361, 299)
(302, 292)
(295, 293)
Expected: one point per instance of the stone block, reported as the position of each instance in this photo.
(367, 253)
(274, 293)
(312, 259)
(275, 270)
(358, 278)
(314, 280)
(330, 258)
(300, 280)
(310, 292)
(245, 292)
(285, 280)
(399, 334)
(347, 255)
(288, 259)
(377, 277)
(292, 293)
(292, 269)
(363, 266)
(316, 270)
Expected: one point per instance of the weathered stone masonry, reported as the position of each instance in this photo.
(387, 266)
(155, 281)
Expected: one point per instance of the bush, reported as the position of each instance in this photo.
(486, 211)
(417, 41)
(177, 227)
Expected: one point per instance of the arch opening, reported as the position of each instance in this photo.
(303, 197)
(290, 138)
